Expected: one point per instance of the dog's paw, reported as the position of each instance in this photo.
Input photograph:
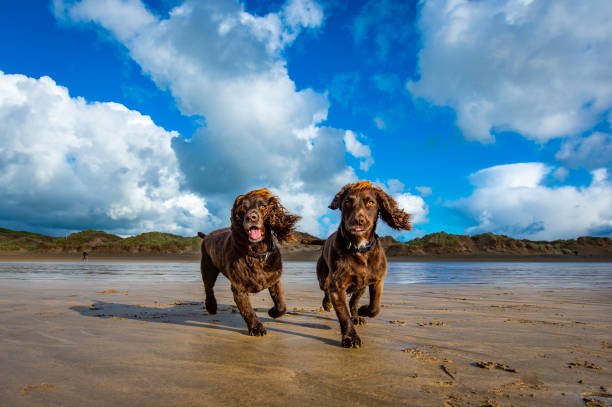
(258, 330)
(276, 312)
(364, 311)
(327, 306)
(351, 341)
(211, 306)
(360, 321)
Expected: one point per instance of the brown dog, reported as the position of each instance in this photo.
(247, 255)
(353, 259)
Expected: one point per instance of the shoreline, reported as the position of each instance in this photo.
(293, 256)
(80, 342)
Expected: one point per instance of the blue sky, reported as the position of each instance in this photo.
(136, 115)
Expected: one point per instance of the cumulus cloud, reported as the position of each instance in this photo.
(358, 150)
(561, 173)
(394, 186)
(65, 162)
(540, 68)
(425, 191)
(591, 152)
(302, 13)
(227, 65)
(379, 122)
(514, 200)
(413, 204)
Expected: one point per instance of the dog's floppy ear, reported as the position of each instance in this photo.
(281, 221)
(390, 213)
(337, 201)
(237, 203)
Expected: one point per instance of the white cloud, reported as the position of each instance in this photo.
(395, 186)
(227, 65)
(414, 205)
(65, 162)
(302, 13)
(358, 150)
(124, 18)
(591, 152)
(514, 200)
(379, 122)
(308, 205)
(527, 175)
(425, 191)
(540, 68)
(561, 173)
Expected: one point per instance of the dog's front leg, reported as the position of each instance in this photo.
(353, 303)
(277, 293)
(241, 297)
(350, 339)
(376, 291)
(323, 277)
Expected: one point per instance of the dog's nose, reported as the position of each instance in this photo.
(361, 220)
(253, 216)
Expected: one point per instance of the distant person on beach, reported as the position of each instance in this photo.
(85, 256)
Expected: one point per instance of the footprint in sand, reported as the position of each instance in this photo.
(585, 364)
(494, 365)
(112, 291)
(32, 388)
(431, 323)
(424, 356)
(597, 399)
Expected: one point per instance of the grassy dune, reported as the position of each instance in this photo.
(436, 245)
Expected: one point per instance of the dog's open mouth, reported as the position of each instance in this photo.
(255, 234)
(357, 230)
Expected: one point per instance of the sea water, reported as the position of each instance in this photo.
(539, 274)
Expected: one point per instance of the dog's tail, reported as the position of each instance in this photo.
(202, 235)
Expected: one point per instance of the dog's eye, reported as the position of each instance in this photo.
(370, 204)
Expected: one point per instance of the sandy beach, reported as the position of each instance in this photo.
(80, 342)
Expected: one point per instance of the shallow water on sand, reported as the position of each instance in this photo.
(553, 275)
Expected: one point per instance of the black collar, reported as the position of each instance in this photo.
(351, 248)
(263, 256)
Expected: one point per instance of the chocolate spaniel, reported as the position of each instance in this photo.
(352, 257)
(247, 254)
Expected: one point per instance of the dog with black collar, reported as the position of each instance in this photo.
(247, 254)
(352, 257)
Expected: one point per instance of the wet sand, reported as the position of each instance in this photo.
(75, 343)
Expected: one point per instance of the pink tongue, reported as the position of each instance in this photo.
(254, 234)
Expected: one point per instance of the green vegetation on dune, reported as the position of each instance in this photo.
(490, 244)
(85, 240)
(18, 241)
(156, 242)
(436, 245)
(96, 241)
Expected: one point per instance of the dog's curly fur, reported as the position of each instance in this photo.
(353, 259)
(250, 266)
